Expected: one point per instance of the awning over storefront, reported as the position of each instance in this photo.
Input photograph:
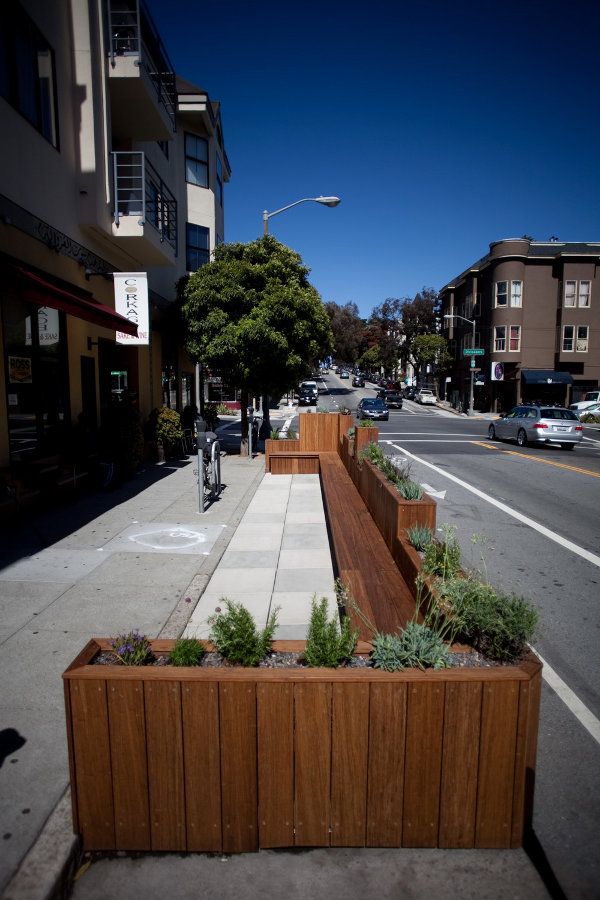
(545, 376)
(40, 292)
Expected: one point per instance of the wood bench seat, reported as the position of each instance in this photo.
(363, 561)
(296, 462)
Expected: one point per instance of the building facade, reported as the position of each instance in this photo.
(112, 174)
(533, 308)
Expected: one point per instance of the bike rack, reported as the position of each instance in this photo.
(209, 470)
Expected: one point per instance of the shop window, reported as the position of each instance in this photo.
(499, 338)
(582, 339)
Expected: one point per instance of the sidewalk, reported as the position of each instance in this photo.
(138, 557)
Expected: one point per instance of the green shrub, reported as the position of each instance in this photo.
(224, 410)
(327, 643)
(186, 652)
(274, 435)
(365, 423)
(132, 649)
(497, 624)
(442, 558)
(291, 434)
(589, 419)
(373, 453)
(417, 647)
(211, 416)
(410, 490)
(168, 427)
(236, 637)
(352, 432)
(419, 536)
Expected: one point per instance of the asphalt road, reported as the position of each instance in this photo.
(534, 512)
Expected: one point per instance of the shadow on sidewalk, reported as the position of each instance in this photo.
(35, 529)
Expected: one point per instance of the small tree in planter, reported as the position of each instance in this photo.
(168, 429)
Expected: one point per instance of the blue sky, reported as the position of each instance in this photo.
(442, 126)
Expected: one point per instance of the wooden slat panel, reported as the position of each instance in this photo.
(529, 712)
(349, 759)
(387, 733)
(239, 792)
(497, 764)
(422, 773)
(312, 713)
(275, 716)
(462, 721)
(165, 765)
(129, 765)
(200, 711)
(92, 764)
(71, 752)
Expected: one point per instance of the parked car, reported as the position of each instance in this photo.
(539, 425)
(358, 381)
(409, 393)
(372, 408)
(426, 396)
(589, 399)
(344, 374)
(593, 410)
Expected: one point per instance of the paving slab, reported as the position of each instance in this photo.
(292, 580)
(60, 566)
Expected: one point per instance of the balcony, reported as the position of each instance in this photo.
(141, 78)
(145, 210)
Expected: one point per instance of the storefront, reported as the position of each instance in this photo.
(545, 386)
(35, 310)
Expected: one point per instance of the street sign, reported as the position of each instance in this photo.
(472, 362)
(477, 351)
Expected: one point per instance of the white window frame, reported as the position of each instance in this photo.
(570, 299)
(516, 299)
(584, 299)
(582, 343)
(516, 349)
(504, 294)
(499, 340)
(571, 339)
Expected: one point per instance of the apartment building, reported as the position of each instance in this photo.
(533, 308)
(112, 175)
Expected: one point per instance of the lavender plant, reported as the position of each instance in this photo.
(132, 649)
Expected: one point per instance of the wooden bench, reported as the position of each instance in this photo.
(364, 563)
(296, 462)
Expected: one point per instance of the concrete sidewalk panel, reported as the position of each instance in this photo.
(235, 583)
(142, 569)
(305, 558)
(294, 580)
(166, 537)
(249, 559)
(21, 602)
(61, 566)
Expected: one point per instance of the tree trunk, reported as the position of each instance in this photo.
(244, 404)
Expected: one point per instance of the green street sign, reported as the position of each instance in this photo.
(477, 351)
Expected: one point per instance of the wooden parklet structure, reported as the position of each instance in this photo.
(232, 759)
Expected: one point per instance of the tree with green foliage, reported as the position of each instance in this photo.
(251, 314)
(348, 330)
(430, 349)
(370, 361)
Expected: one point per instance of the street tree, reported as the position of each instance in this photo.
(370, 361)
(430, 349)
(348, 330)
(251, 314)
(419, 317)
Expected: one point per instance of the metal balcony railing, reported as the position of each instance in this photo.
(133, 33)
(139, 191)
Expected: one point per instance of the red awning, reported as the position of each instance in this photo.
(73, 301)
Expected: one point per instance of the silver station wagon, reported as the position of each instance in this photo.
(538, 425)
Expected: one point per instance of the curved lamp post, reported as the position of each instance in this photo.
(265, 428)
(473, 323)
(325, 201)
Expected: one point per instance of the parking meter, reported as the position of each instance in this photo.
(250, 411)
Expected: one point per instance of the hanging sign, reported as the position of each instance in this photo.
(131, 301)
(497, 373)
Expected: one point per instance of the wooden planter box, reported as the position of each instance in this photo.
(390, 511)
(364, 436)
(231, 759)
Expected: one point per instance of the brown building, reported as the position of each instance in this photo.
(534, 309)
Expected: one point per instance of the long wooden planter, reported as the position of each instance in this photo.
(231, 760)
(391, 512)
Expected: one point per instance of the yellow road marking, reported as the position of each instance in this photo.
(549, 462)
(487, 446)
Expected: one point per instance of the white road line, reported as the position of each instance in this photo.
(450, 433)
(557, 538)
(571, 700)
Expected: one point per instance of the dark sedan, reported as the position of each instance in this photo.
(372, 408)
(307, 397)
(358, 381)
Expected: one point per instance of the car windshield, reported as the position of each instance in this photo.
(373, 404)
(557, 414)
(425, 392)
(592, 395)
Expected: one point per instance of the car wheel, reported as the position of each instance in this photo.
(521, 438)
(568, 446)
(492, 433)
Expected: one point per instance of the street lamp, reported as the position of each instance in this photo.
(471, 322)
(265, 428)
(325, 201)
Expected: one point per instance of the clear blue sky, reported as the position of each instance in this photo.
(442, 124)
